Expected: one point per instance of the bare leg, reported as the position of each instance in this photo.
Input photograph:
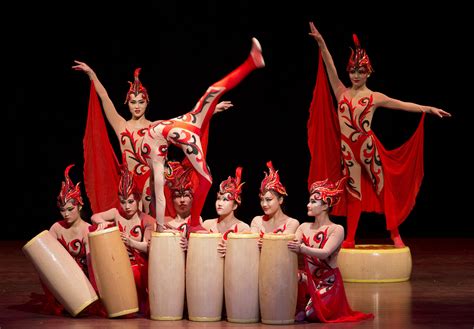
(397, 239)
(204, 111)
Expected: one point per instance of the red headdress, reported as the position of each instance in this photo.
(233, 186)
(127, 184)
(136, 87)
(69, 191)
(327, 191)
(359, 57)
(178, 177)
(271, 181)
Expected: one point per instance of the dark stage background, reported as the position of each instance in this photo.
(182, 49)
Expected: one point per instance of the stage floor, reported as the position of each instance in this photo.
(440, 294)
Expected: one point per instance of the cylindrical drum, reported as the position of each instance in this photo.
(60, 273)
(204, 277)
(113, 272)
(278, 279)
(241, 278)
(166, 264)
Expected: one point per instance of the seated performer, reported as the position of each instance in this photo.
(319, 242)
(228, 200)
(73, 234)
(190, 132)
(274, 220)
(135, 230)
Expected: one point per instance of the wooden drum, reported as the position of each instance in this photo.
(60, 273)
(278, 279)
(204, 277)
(241, 278)
(113, 272)
(375, 263)
(166, 276)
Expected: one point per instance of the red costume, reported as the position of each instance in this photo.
(323, 283)
(342, 143)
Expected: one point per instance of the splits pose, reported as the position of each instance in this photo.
(379, 180)
(101, 168)
(190, 133)
(321, 294)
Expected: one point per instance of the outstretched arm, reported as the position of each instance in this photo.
(115, 120)
(336, 84)
(392, 103)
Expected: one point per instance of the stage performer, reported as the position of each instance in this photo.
(228, 200)
(321, 293)
(101, 169)
(379, 180)
(272, 195)
(190, 133)
(135, 229)
(73, 234)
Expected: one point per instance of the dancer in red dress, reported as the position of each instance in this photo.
(319, 242)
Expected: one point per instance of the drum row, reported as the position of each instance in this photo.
(255, 285)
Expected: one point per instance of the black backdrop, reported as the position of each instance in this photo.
(183, 48)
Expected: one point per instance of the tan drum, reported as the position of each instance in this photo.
(278, 279)
(241, 278)
(113, 272)
(204, 277)
(60, 273)
(375, 263)
(166, 264)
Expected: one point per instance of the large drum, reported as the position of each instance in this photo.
(113, 272)
(60, 273)
(204, 277)
(278, 279)
(241, 278)
(166, 276)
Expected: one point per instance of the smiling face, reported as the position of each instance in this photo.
(358, 76)
(137, 105)
(270, 202)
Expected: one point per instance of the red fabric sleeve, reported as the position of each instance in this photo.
(101, 168)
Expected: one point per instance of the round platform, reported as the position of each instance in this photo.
(375, 263)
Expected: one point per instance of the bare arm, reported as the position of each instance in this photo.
(292, 226)
(116, 121)
(103, 219)
(392, 103)
(336, 84)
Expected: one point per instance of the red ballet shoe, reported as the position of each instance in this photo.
(398, 242)
(256, 53)
(348, 244)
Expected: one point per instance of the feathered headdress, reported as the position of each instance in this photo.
(136, 87)
(127, 184)
(69, 191)
(233, 186)
(359, 57)
(327, 191)
(178, 178)
(271, 181)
